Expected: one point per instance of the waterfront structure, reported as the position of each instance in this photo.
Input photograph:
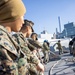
(45, 35)
(68, 31)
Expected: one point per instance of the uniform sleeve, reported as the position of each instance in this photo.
(4, 54)
(35, 43)
(7, 49)
(45, 46)
(3, 49)
(30, 57)
(24, 47)
(31, 47)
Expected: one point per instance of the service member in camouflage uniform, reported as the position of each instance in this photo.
(37, 44)
(34, 36)
(34, 41)
(11, 19)
(21, 39)
(46, 51)
(71, 47)
(73, 40)
(59, 47)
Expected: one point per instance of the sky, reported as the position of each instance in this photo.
(44, 14)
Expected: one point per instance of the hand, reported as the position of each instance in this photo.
(40, 67)
(34, 51)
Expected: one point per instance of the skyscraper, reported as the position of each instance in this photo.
(59, 24)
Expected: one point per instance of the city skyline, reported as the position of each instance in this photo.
(44, 14)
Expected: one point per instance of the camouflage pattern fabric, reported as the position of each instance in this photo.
(46, 52)
(22, 62)
(22, 66)
(59, 47)
(24, 47)
(8, 54)
(32, 69)
(45, 46)
(35, 46)
(30, 46)
(35, 43)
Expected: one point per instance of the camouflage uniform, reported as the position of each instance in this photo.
(59, 47)
(73, 40)
(71, 47)
(11, 14)
(46, 50)
(8, 54)
(74, 48)
(31, 58)
(23, 66)
(18, 64)
(35, 46)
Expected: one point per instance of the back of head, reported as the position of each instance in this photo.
(35, 35)
(27, 23)
(46, 41)
(10, 10)
(58, 40)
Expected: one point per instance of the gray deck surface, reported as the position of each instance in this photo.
(65, 66)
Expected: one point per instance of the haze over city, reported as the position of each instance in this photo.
(44, 13)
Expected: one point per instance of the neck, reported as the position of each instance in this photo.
(7, 26)
(24, 35)
(27, 36)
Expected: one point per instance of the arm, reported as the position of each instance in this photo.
(4, 54)
(46, 46)
(31, 46)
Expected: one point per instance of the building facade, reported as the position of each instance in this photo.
(45, 35)
(69, 30)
